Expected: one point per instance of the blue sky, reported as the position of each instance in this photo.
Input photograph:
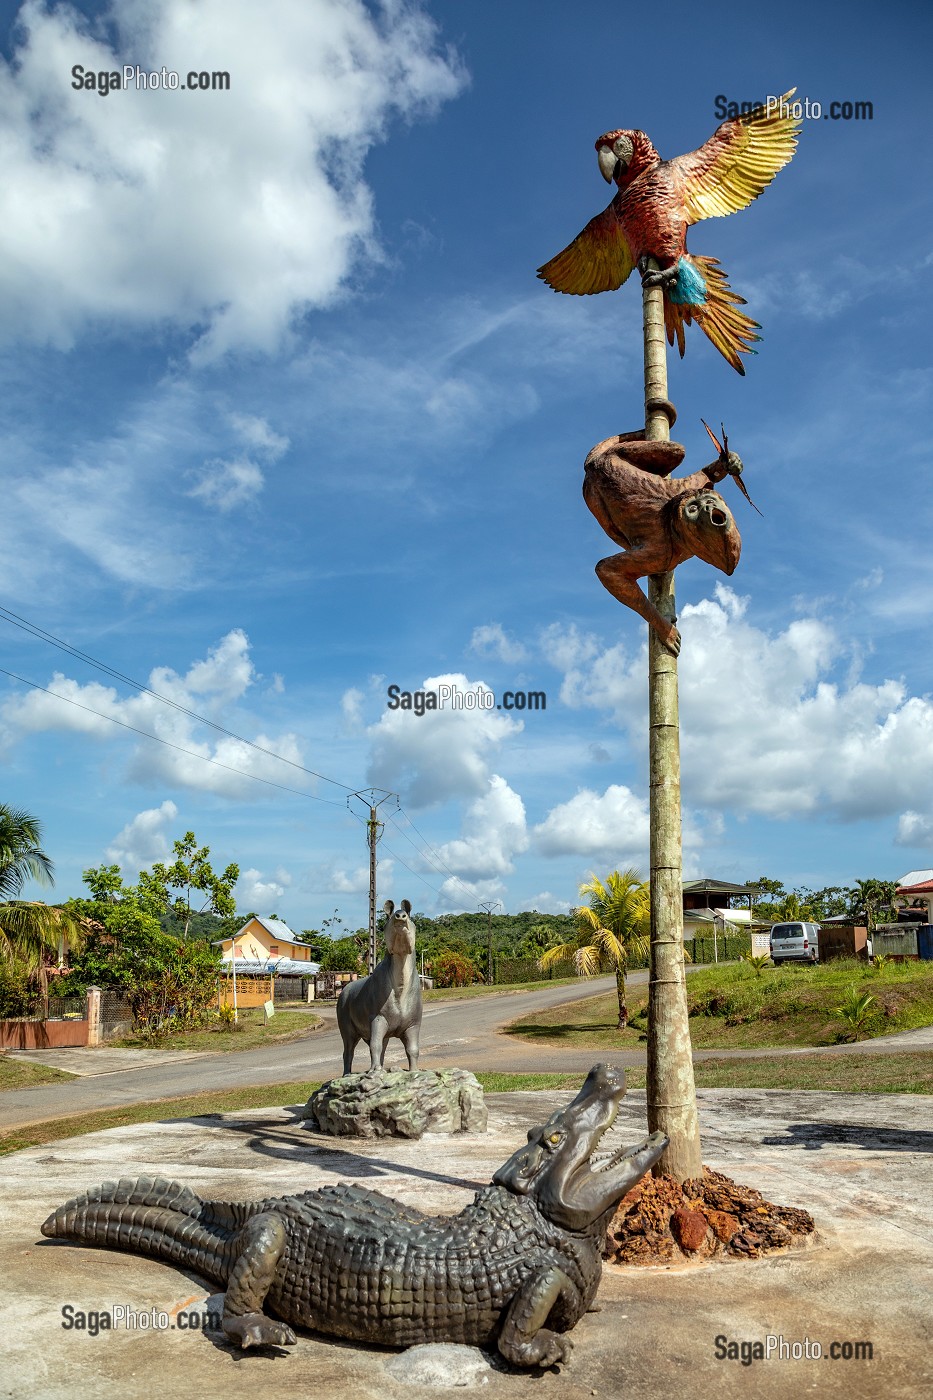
(287, 418)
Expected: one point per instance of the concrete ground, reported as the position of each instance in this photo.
(860, 1163)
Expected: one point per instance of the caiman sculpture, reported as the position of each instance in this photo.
(518, 1267)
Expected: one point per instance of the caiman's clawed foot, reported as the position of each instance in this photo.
(544, 1349)
(257, 1330)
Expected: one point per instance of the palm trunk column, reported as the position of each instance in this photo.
(672, 1105)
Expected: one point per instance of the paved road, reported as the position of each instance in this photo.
(464, 1033)
(453, 1033)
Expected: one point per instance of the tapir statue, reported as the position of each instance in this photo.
(388, 1002)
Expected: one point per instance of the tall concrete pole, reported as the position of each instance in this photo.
(672, 1105)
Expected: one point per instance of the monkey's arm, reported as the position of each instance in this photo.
(727, 464)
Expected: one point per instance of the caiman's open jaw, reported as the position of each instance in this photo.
(557, 1167)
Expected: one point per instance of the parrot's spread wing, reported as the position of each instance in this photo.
(598, 260)
(739, 160)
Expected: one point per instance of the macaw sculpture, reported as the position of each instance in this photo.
(659, 521)
(657, 201)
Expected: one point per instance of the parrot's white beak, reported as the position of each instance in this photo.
(607, 163)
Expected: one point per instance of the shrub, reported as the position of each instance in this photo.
(856, 1010)
(455, 970)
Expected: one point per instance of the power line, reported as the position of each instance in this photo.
(6, 615)
(439, 864)
(254, 777)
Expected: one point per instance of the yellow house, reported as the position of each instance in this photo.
(263, 940)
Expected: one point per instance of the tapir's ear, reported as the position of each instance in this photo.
(389, 907)
(406, 905)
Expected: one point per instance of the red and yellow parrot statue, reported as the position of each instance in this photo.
(649, 217)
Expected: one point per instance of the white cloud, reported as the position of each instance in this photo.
(764, 727)
(226, 484)
(210, 686)
(230, 212)
(255, 892)
(143, 840)
(914, 829)
(610, 827)
(441, 754)
(492, 640)
(494, 833)
(546, 903)
(351, 707)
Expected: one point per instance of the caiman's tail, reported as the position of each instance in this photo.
(155, 1217)
(702, 294)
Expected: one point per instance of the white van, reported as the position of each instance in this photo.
(797, 942)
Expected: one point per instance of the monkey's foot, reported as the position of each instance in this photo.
(672, 641)
(257, 1330)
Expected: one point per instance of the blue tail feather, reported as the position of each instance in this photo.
(690, 287)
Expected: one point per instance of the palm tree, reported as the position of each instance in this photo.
(33, 934)
(21, 857)
(29, 932)
(612, 929)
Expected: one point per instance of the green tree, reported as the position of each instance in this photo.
(32, 935)
(873, 900)
(21, 854)
(791, 908)
(191, 874)
(341, 955)
(166, 981)
(105, 883)
(610, 931)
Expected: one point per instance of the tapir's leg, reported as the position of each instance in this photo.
(378, 1027)
(261, 1245)
(410, 1041)
(524, 1340)
(350, 1042)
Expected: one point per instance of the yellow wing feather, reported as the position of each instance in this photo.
(598, 260)
(739, 160)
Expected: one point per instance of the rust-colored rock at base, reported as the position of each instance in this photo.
(662, 1221)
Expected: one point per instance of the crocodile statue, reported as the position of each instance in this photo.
(517, 1268)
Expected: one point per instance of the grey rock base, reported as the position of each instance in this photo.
(443, 1364)
(399, 1103)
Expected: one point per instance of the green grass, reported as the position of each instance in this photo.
(251, 1032)
(480, 989)
(22, 1074)
(731, 1008)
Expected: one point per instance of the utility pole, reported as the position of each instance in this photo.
(671, 1090)
(372, 801)
(489, 905)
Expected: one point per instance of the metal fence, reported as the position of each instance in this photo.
(64, 1009)
(728, 947)
(507, 970)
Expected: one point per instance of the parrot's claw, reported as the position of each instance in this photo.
(660, 279)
